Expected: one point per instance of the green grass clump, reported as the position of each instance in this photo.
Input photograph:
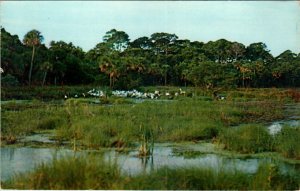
(250, 138)
(173, 121)
(71, 173)
(287, 142)
(269, 177)
(253, 138)
(49, 123)
(260, 111)
(26, 121)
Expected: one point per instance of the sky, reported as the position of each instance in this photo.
(84, 23)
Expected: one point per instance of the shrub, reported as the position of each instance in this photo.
(9, 80)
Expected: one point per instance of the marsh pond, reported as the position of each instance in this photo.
(179, 134)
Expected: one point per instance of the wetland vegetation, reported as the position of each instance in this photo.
(237, 126)
(94, 173)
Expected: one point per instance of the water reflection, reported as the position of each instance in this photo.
(16, 160)
(292, 119)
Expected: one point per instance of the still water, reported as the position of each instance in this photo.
(24, 159)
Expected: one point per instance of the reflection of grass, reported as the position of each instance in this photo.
(92, 172)
(187, 153)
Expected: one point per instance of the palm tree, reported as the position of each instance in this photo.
(165, 69)
(134, 64)
(154, 70)
(45, 67)
(32, 39)
(110, 67)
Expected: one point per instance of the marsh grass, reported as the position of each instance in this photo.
(146, 142)
(250, 138)
(115, 122)
(27, 121)
(253, 138)
(92, 172)
(287, 142)
(118, 123)
(70, 172)
(261, 94)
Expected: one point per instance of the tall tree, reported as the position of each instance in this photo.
(218, 51)
(12, 55)
(116, 40)
(142, 42)
(162, 42)
(67, 61)
(258, 51)
(237, 50)
(32, 39)
(110, 65)
(45, 67)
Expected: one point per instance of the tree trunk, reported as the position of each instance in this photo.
(44, 79)
(243, 80)
(110, 81)
(31, 65)
(114, 79)
(165, 79)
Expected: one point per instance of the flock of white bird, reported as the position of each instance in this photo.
(136, 94)
(131, 94)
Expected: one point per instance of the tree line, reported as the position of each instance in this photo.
(161, 59)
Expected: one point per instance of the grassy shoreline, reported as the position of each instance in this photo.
(94, 173)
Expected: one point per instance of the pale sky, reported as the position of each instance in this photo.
(83, 23)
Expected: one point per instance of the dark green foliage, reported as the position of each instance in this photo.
(43, 93)
(9, 80)
(161, 59)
